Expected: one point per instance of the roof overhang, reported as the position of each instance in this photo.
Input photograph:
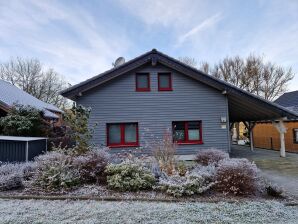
(243, 106)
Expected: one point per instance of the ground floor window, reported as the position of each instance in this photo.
(295, 135)
(187, 132)
(122, 134)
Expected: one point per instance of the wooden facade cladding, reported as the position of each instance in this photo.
(266, 136)
(117, 101)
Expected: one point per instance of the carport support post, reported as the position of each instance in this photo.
(282, 130)
(250, 125)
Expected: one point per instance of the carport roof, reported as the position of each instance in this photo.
(243, 106)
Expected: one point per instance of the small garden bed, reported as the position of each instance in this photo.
(98, 175)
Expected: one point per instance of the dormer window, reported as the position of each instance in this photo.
(164, 82)
(143, 82)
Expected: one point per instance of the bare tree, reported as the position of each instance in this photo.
(189, 61)
(30, 76)
(252, 74)
(205, 67)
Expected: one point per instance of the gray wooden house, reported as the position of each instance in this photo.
(137, 101)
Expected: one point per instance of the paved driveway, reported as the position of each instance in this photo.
(283, 171)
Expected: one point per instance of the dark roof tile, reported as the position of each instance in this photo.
(288, 99)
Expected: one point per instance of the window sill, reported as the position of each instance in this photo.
(161, 90)
(121, 146)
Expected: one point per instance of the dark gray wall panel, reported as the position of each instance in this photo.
(36, 148)
(12, 151)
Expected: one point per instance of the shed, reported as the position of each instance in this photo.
(21, 149)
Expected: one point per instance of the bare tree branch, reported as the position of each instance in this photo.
(189, 61)
(30, 76)
(252, 74)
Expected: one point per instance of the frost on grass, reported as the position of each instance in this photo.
(41, 211)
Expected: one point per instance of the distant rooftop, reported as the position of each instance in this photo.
(289, 100)
(11, 95)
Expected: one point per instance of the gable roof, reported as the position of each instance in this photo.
(243, 106)
(11, 95)
(289, 100)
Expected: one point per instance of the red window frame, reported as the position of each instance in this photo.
(147, 89)
(170, 88)
(186, 140)
(122, 134)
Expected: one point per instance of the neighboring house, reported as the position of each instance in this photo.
(267, 136)
(136, 102)
(11, 95)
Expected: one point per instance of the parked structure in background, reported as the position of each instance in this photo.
(155, 92)
(21, 149)
(11, 95)
(266, 135)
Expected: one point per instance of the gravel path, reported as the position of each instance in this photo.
(43, 211)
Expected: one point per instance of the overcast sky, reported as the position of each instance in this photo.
(80, 39)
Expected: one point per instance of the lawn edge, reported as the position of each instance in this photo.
(141, 199)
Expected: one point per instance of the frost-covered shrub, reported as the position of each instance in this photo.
(209, 156)
(28, 170)
(129, 177)
(91, 165)
(155, 169)
(164, 152)
(10, 182)
(236, 176)
(77, 118)
(181, 168)
(13, 174)
(208, 172)
(274, 190)
(184, 185)
(55, 171)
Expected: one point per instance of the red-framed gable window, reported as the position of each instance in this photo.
(165, 81)
(187, 132)
(122, 134)
(142, 82)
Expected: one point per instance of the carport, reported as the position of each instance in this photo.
(250, 109)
